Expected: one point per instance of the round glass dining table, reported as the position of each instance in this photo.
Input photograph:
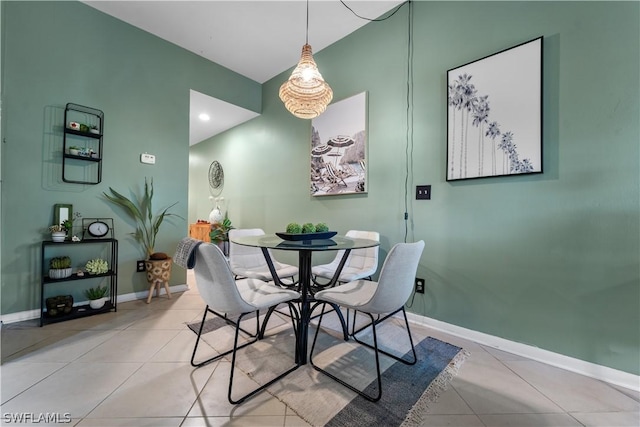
(305, 249)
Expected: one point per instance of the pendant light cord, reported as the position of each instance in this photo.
(409, 100)
(307, 36)
(375, 19)
(409, 108)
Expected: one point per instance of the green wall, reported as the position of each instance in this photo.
(548, 260)
(59, 52)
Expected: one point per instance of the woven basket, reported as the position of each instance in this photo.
(62, 304)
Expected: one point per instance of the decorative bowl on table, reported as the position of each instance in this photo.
(293, 237)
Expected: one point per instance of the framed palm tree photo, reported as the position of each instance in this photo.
(494, 114)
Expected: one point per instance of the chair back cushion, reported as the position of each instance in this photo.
(215, 281)
(365, 260)
(397, 278)
(360, 264)
(245, 257)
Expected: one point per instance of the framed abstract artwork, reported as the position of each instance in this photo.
(494, 114)
(339, 148)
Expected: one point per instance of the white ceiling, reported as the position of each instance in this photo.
(258, 39)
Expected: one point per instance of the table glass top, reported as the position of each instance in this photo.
(272, 241)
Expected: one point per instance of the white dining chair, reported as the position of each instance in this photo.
(227, 297)
(361, 263)
(249, 262)
(383, 298)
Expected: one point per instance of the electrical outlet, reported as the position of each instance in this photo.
(140, 266)
(419, 285)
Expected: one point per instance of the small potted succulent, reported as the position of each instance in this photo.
(58, 232)
(97, 296)
(68, 226)
(74, 150)
(96, 266)
(60, 267)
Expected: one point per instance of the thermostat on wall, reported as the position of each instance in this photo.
(148, 158)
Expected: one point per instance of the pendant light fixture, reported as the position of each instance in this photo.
(306, 94)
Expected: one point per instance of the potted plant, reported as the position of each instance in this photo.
(96, 266)
(94, 129)
(97, 296)
(158, 264)
(220, 233)
(68, 226)
(60, 267)
(74, 150)
(58, 232)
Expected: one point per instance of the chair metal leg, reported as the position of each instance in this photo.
(371, 398)
(345, 331)
(233, 323)
(233, 364)
(195, 347)
(378, 321)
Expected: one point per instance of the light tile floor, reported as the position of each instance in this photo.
(131, 368)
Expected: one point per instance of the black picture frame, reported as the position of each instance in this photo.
(61, 213)
(339, 139)
(494, 114)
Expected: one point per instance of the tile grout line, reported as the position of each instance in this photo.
(564, 411)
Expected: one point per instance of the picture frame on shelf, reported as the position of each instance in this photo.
(494, 114)
(62, 212)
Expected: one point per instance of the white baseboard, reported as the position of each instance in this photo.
(35, 314)
(143, 294)
(604, 373)
(19, 316)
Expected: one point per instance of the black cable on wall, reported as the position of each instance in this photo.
(409, 131)
(409, 99)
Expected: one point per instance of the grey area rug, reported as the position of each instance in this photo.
(407, 389)
(214, 322)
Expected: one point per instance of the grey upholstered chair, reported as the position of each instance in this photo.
(249, 262)
(383, 299)
(224, 295)
(361, 263)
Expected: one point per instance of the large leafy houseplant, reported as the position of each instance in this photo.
(141, 210)
(220, 230)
